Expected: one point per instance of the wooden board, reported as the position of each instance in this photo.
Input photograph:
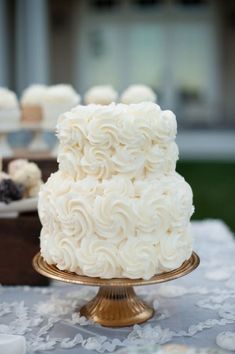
(19, 239)
(19, 242)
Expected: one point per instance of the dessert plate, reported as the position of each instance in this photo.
(18, 206)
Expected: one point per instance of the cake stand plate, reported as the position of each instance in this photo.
(116, 303)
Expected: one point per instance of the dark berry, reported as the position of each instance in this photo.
(10, 191)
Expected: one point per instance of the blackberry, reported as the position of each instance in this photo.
(10, 191)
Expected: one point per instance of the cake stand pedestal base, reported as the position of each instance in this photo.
(117, 307)
(116, 303)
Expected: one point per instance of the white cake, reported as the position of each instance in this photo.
(57, 100)
(31, 103)
(138, 94)
(116, 207)
(102, 94)
(9, 110)
(27, 174)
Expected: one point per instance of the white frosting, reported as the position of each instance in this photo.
(8, 99)
(133, 140)
(138, 258)
(116, 227)
(103, 94)
(27, 174)
(116, 207)
(16, 165)
(59, 94)
(174, 248)
(34, 95)
(137, 94)
(98, 257)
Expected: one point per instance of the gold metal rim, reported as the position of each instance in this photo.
(51, 271)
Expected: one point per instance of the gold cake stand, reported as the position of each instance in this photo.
(116, 303)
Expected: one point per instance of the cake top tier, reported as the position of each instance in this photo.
(117, 124)
(130, 139)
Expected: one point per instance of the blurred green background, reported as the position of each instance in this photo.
(213, 185)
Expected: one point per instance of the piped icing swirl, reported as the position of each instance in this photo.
(132, 140)
(117, 223)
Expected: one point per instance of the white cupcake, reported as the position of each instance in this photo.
(31, 103)
(103, 94)
(138, 94)
(28, 175)
(16, 165)
(58, 99)
(9, 109)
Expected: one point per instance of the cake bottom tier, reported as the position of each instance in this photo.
(117, 227)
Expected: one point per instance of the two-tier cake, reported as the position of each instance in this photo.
(116, 207)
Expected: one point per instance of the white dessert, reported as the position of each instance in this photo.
(103, 94)
(16, 165)
(57, 100)
(9, 109)
(28, 175)
(138, 94)
(34, 95)
(116, 207)
(31, 103)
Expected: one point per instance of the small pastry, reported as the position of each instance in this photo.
(31, 103)
(9, 108)
(138, 94)
(30, 176)
(34, 190)
(58, 99)
(103, 94)
(16, 165)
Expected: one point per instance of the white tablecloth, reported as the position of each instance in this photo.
(194, 310)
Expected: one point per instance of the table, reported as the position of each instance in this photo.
(194, 310)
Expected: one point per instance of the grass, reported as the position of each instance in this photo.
(213, 185)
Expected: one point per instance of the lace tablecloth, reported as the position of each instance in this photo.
(197, 310)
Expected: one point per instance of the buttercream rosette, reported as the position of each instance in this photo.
(131, 140)
(128, 232)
